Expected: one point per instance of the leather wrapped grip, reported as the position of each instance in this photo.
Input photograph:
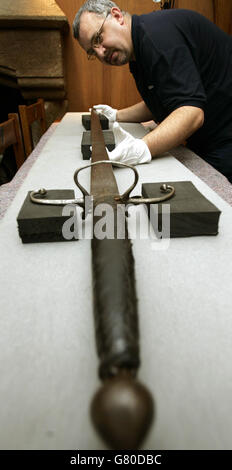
(115, 305)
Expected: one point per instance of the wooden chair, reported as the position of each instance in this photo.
(10, 134)
(28, 115)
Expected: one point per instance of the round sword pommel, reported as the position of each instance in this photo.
(122, 411)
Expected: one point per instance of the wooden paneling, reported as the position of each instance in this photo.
(223, 14)
(218, 11)
(18, 13)
(31, 54)
(204, 7)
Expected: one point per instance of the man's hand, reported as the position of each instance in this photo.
(109, 113)
(128, 149)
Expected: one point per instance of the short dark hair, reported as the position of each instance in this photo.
(100, 7)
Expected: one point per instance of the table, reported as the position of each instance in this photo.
(48, 360)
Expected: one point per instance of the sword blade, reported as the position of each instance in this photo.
(103, 182)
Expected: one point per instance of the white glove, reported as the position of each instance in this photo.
(128, 149)
(108, 112)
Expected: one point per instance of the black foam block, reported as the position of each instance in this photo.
(191, 214)
(86, 121)
(40, 222)
(86, 143)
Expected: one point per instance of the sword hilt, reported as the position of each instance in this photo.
(115, 306)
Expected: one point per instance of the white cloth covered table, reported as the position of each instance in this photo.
(48, 361)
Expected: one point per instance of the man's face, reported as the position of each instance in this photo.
(114, 41)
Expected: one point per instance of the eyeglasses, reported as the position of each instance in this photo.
(96, 41)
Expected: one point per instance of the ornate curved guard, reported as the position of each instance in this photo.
(53, 202)
(167, 189)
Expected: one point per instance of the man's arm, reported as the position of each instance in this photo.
(174, 130)
(177, 127)
(137, 113)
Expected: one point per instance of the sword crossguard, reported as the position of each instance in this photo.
(124, 198)
(53, 202)
(165, 188)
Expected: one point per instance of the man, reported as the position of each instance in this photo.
(182, 65)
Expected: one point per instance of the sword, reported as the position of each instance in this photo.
(122, 409)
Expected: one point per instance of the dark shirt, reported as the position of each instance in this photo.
(183, 59)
